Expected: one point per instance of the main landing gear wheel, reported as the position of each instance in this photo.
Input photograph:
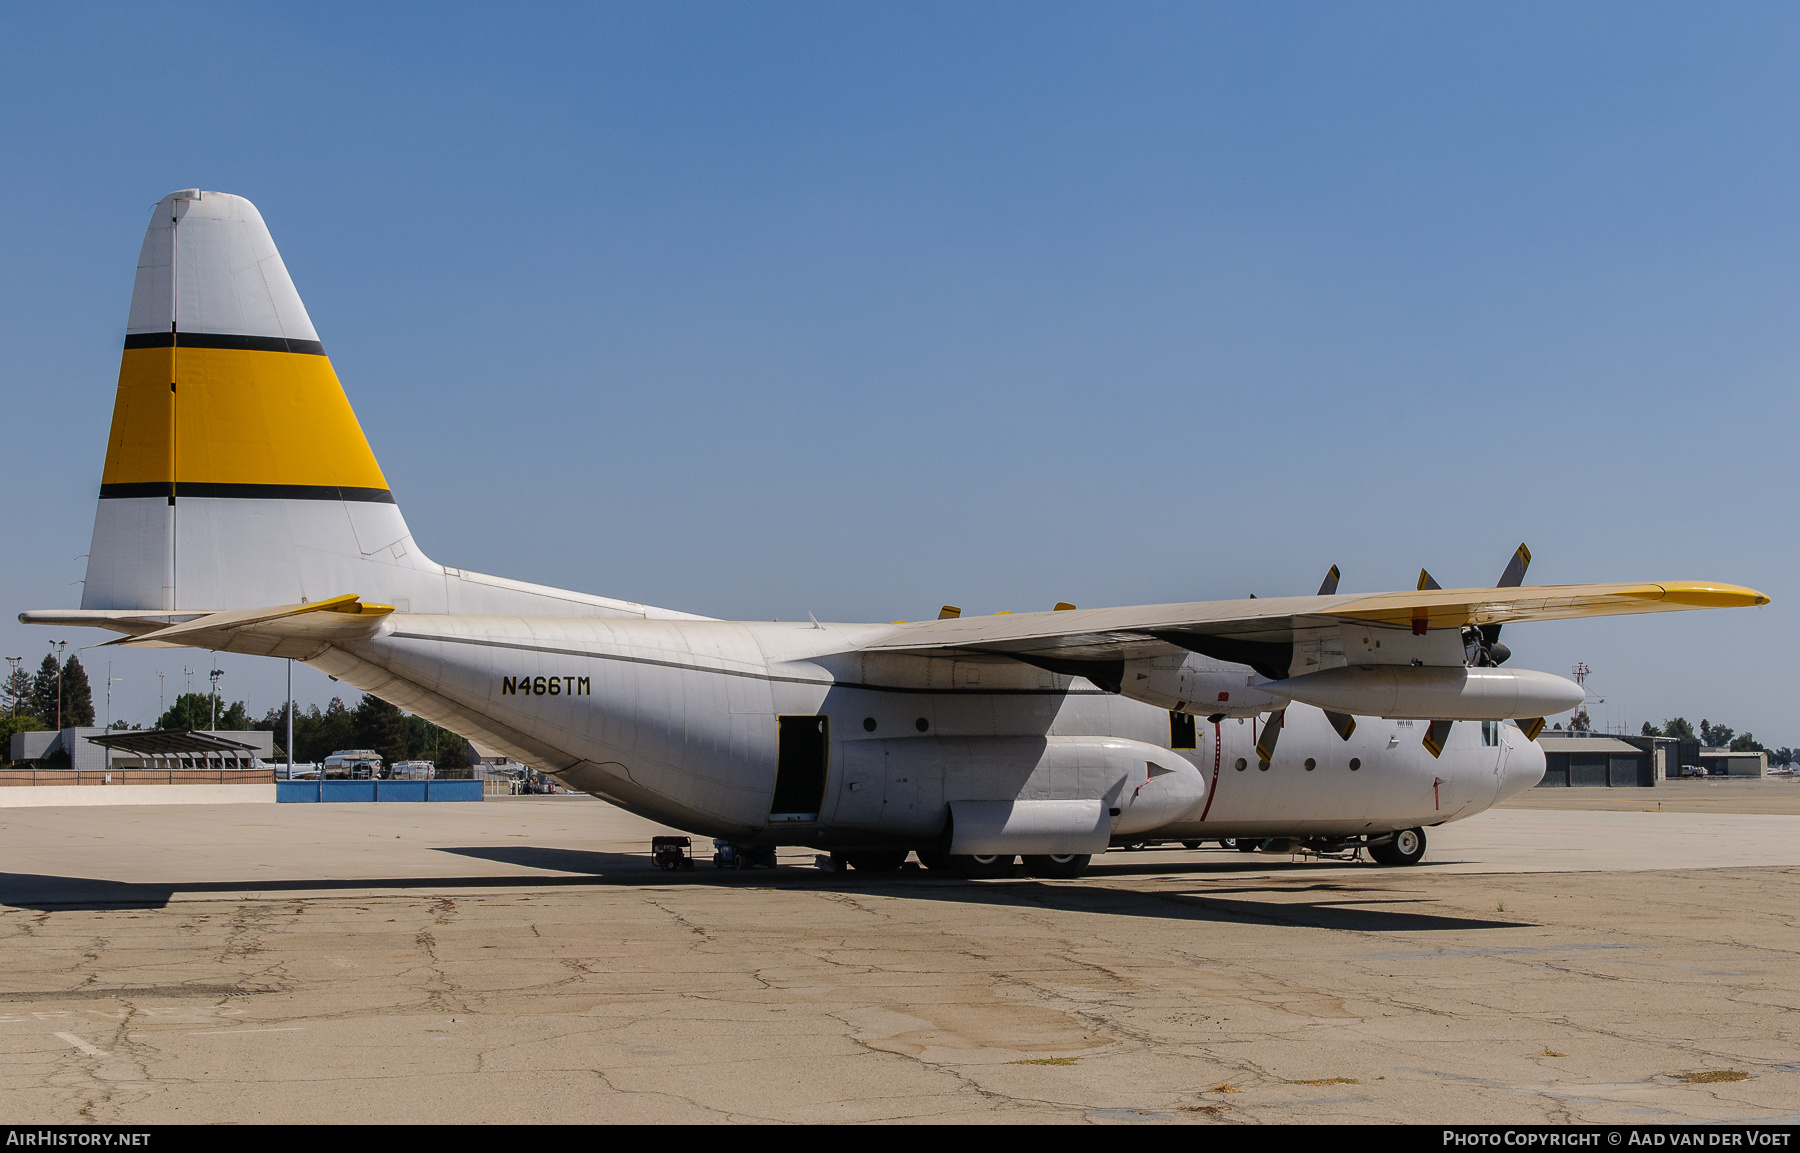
(1406, 848)
(982, 867)
(1058, 867)
(876, 860)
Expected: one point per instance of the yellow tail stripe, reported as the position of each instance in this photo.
(235, 416)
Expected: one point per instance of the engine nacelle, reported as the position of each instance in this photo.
(1195, 685)
(1432, 692)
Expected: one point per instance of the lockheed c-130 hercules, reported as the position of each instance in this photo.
(241, 509)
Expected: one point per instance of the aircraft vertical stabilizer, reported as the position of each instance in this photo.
(237, 475)
(236, 472)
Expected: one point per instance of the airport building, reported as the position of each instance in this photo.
(85, 749)
(1574, 759)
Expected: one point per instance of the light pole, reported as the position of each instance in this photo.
(12, 681)
(110, 679)
(214, 678)
(290, 720)
(162, 700)
(60, 646)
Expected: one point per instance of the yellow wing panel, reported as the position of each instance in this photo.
(1446, 608)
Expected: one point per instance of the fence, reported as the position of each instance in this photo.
(27, 777)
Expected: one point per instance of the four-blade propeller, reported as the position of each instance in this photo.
(1481, 644)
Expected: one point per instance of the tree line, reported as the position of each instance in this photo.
(1719, 737)
(31, 703)
(372, 724)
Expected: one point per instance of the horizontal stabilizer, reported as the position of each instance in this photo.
(321, 622)
(134, 622)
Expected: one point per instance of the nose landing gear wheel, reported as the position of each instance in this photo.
(1407, 847)
(1059, 867)
(981, 867)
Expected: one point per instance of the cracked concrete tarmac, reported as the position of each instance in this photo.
(521, 961)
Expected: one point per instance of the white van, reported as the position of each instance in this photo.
(353, 765)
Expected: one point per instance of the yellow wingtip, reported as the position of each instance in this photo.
(1702, 594)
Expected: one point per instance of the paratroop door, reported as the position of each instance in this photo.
(800, 768)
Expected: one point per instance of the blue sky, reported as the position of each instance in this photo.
(760, 310)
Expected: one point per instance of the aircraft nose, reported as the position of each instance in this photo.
(1524, 766)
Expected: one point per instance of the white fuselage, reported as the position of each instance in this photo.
(242, 509)
(677, 720)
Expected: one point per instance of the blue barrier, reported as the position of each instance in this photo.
(291, 792)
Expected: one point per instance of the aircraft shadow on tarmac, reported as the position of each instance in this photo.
(634, 866)
(1349, 909)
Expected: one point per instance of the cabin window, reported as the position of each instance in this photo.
(1181, 731)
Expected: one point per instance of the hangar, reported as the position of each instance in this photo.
(1575, 759)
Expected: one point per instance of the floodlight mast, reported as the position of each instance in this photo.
(60, 646)
(110, 681)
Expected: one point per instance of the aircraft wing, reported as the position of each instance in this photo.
(1218, 628)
